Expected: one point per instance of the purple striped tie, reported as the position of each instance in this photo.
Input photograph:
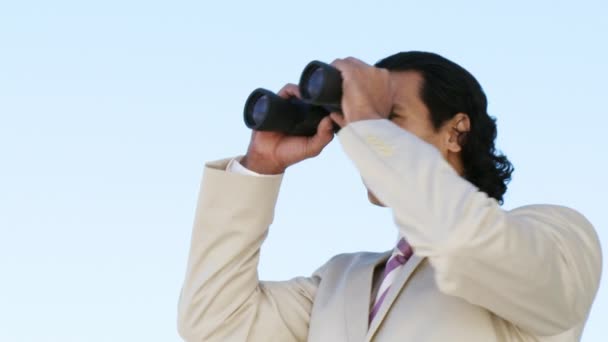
(400, 255)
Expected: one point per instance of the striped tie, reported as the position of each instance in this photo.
(400, 255)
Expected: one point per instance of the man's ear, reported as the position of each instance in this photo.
(458, 128)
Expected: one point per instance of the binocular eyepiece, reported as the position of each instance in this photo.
(321, 89)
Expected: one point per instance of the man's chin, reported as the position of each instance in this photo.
(373, 200)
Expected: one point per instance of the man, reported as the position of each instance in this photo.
(464, 269)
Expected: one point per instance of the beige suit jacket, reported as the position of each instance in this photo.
(479, 273)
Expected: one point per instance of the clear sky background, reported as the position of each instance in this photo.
(109, 109)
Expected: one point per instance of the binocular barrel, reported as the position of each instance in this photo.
(321, 89)
(321, 84)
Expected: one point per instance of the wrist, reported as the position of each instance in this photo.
(261, 165)
(363, 115)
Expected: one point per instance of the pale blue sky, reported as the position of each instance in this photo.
(108, 110)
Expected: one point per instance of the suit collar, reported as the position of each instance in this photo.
(402, 277)
(357, 294)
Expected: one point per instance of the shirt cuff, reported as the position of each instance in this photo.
(235, 166)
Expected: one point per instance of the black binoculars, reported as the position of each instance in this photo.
(321, 89)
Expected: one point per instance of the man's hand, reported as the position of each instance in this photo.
(273, 152)
(366, 92)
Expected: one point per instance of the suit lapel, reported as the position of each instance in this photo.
(400, 280)
(357, 295)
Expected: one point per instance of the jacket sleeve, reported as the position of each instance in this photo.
(222, 298)
(537, 266)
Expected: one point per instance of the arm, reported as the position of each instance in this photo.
(222, 298)
(537, 267)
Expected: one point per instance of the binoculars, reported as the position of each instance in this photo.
(321, 89)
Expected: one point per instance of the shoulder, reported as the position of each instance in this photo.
(549, 209)
(565, 225)
(345, 261)
(554, 215)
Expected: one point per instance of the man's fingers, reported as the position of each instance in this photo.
(324, 136)
(289, 90)
(325, 127)
(339, 64)
(348, 63)
(338, 118)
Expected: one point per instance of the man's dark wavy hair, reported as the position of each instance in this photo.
(449, 89)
